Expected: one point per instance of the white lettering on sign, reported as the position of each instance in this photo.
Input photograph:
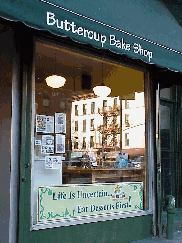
(71, 26)
(93, 35)
(137, 48)
(119, 44)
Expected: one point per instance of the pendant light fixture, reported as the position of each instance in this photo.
(55, 81)
(101, 89)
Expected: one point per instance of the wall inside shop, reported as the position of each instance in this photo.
(8, 171)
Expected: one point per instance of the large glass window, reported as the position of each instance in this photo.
(89, 152)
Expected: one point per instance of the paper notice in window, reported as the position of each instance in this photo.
(44, 124)
(47, 144)
(53, 162)
(60, 123)
(40, 123)
(60, 143)
(50, 124)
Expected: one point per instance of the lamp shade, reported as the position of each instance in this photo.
(102, 90)
(55, 81)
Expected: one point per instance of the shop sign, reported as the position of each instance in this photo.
(111, 40)
(103, 31)
(66, 202)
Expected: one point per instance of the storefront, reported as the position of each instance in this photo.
(91, 119)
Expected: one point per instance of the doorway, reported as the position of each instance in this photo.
(167, 147)
(169, 152)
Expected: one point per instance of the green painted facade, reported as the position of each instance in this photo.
(123, 230)
(120, 230)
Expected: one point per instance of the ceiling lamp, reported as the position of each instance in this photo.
(101, 89)
(55, 81)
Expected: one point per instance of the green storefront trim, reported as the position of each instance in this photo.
(107, 25)
(123, 230)
(104, 33)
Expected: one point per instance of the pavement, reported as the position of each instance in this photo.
(177, 236)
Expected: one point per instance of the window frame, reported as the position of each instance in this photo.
(150, 162)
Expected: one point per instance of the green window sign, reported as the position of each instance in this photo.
(65, 202)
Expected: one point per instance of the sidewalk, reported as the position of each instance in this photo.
(177, 238)
(177, 230)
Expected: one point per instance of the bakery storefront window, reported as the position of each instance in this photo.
(88, 151)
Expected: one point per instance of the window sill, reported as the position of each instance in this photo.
(90, 219)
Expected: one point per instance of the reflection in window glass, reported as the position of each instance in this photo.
(84, 125)
(126, 139)
(127, 124)
(104, 103)
(75, 144)
(92, 124)
(166, 93)
(126, 104)
(92, 107)
(84, 109)
(76, 126)
(76, 110)
(84, 143)
(89, 141)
